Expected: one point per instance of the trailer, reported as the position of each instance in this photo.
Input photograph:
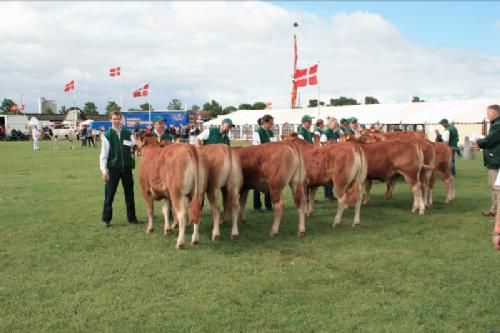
(140, 119)
(14, 127)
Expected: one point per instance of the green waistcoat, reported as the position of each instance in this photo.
(491, 146)
(119, 157)
(215, 136)
(264, 135)
(317, 129)
(331, 135)
(306, 134)
(453, 136)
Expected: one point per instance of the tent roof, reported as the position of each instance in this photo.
(458, 111)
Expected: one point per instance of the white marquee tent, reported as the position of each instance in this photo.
(468, 115)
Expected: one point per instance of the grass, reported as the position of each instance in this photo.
(61, 271)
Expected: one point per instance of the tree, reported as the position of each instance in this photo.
(90, 109)
(371, 100)
(112, 106)
(229, 109)
(62, 110)
(47, 110)
(258, 106)
(175, 104)
(312, 103)
(7, 105)
(245, 106)
(343, 101)
(417, 99)
(213, 108)
(195, 108)
(146, 107)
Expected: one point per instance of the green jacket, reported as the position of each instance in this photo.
(264, 135)
(120, 156)
(453, 136)
(165, 136)
(319, 130)
(215, 136)
(331, 134)
(306, 134)
(491, 146)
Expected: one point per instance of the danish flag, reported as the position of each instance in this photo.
(306, 76)
(69, 86)
(144, 91)
(115, 71)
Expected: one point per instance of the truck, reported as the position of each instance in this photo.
(14, 127)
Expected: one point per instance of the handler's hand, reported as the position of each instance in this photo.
(105, 176)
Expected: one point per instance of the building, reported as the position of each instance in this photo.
(44, 103)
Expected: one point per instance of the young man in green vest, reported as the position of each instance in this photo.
(215, 134)
(159, 130)
(263, 134)
(304, 131)
(450, 137)
(116, 164)
(332, 133)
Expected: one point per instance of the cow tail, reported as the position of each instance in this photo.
(353, 191)
(228, 202)
(299, 195)
(196, 199)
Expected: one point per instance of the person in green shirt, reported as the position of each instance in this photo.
(332, 133)
(115, 162)
(263, 135)
(213, 135)
(304, 131)
(159, 130)
(450, 137)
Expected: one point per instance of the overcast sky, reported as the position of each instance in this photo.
(237, 52)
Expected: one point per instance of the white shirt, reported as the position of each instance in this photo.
(256, 139)
(103, 157)
(35, 133)
(446, 136)
(323, 138)
(204, 135)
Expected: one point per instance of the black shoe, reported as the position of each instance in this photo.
(134, 221)
(107, 224)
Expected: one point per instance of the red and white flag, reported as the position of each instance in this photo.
(141, 92)
(69, 86)
(115, 71)
(306, 76)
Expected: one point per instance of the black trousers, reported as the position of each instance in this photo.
(257, 204)
(110, 190)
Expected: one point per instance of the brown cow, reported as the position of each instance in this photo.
(443, 167)
(172, 173)
(270, 167)
(223, 173)
(427, 149)
(344, 165)
(388, 158)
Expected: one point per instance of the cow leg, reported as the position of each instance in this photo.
(432, 181)
(233, 197)
(149, 202)
(391, 183)
(357, 208)
(214, 205)
(226, 211)
(418, 200)
(181, 206)
(447, 179)
(368, 187)
(311, 193)
(341, 200)
(167, 229)
(299, 192)
(243, 203)
(277, 198)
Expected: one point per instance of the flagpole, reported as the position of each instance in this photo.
(121, 92)
(149, 109)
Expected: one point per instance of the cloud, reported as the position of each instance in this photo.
(231, 52)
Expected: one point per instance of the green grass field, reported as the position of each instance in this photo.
(61, 271)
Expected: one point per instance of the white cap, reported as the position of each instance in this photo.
(420, 128)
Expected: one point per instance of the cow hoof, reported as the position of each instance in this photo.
(235, 237)
(149, 231)
(243, 221)
(335, 225)
(216, 238)
(195, 243)
(179, 246)
(167, 232)
(355, 225)
(301, 234)
(272, 236)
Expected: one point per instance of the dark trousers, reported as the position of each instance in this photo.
(257, 204)
(328, 191)
(110, 190)
(453, 170)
